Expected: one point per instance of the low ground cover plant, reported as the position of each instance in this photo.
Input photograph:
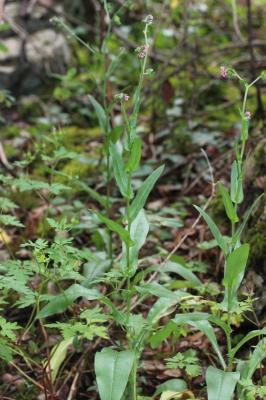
(129, 302)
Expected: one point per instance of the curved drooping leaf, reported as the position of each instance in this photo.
(220, 384)
(59, 303)
(249, 336)
(162, 305)
(182, 271)
(200, 321)
(58, 356)
(101, 114)
(116, 227)
(112, 369)
(214, 229)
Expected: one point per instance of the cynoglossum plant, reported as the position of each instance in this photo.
(221, 383)
(106, 67)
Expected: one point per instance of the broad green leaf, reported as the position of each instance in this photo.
(236, 191)
(220, 384)
(135, 155)
(138, 231)
(175, 385)
(115, 227)
(101, 114)
(235, 265)
(182, 271)
(228, 205)
(112, 369)
(61, 302)
(249, 336)
(214, 229)
(200, 321)
(143, 193)
(234, 272)
(121, 177)
(58, 356)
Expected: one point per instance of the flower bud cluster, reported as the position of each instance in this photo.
(142, 51)
(121, 97)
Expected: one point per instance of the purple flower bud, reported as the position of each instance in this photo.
(248, 114)
(126, 97)
(223, 72)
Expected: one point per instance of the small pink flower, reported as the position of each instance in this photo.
(126, 97)
(248, 114)
(142, 51)
(223, 72)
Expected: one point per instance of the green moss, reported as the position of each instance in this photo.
(30, 107)
(256, 237)
(11, 151)
(75, 138)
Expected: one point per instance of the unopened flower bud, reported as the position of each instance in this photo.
(148, 20)
(126, 97)
(248, 114)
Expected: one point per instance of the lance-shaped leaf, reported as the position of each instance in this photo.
(249, 336)
(135, 155)
(101, 114)
(220, 384)
(121, 177)
(214, 229)
(200, 321)
(115, 227)
(228, 205)
(162, 305)
(112, 370)
(236, 192)
(234, 271)
(143, 193)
